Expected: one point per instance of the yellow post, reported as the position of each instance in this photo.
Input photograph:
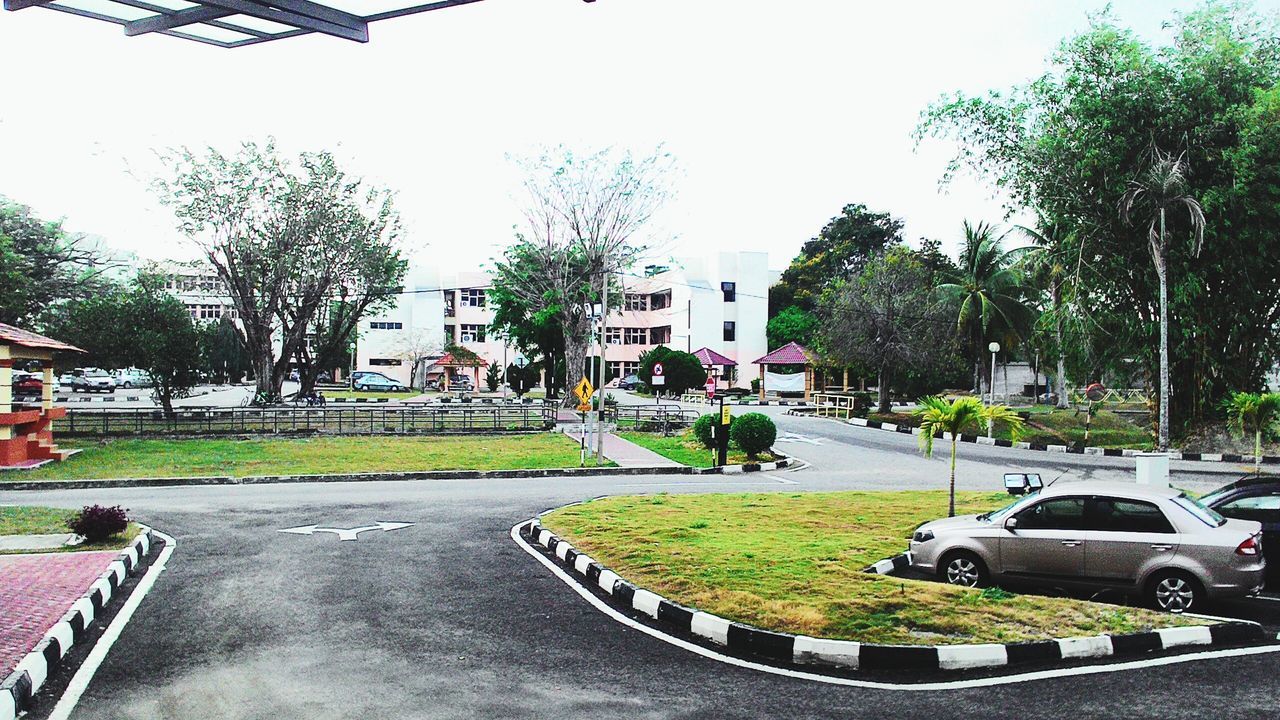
(46, 390)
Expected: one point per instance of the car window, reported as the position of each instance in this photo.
(1124, 515)
(1054, 514)
(1204, 514)
(1263, 508)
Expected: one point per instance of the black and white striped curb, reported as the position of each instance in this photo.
(1069, 449)
(888, 566)
(35, 667)
(407, 397)
(700, 400)
(848, 655)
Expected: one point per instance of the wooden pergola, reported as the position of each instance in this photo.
(789, 354)
(26, 431)
(448, 362)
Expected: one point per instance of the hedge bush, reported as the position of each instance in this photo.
(754, 433)
(97, 523)
(703, 429)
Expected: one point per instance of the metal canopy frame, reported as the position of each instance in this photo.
(236, 23)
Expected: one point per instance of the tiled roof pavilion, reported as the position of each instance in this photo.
(789, 354)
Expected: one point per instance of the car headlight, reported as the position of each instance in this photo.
(922, 536)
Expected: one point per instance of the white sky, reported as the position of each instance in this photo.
(779, 112)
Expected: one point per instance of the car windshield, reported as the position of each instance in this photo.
(1007, 510)
(1204, 514)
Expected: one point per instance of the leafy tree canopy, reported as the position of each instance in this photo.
(1067, 144)
(41, 265)
(840, 250)
(682, 370)
(792, 324)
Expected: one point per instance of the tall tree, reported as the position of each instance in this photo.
(1048, 266)
(534, 328)
(988, 295)
(964, 414)
(222, 351)
(887, 319)
(286, 239)
(841, 249)
(41, 264)
(1066, 145)
(1160, 189)
(792, 324)
(586, 217)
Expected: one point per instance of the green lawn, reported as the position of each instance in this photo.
(20, 520)
(1050, 426)
(278, 456)
(793, 563)
(685, 449)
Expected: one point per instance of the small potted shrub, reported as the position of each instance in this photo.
(96, 523)
(754, 433)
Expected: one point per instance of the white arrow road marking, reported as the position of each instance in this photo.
(345, 533)
(784, 481)
(793, 437)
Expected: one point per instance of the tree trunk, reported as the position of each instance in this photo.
(575, 359)
(263, 371)
(951, 510)
(883, 390)
(1257, 451)
(165, 395)
(1060, 379)
(1162, 271)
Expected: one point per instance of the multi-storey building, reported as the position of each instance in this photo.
(199, 288)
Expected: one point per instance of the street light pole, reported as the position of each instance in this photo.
(604, 323)
(994, 347)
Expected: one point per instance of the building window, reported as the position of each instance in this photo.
(613, 335)
(630, 368)
(730, 331)
(381, 325)
(660, 335)
(450, 302)
(473, 297)
(636, 301)
(730, 291)
(449, 334)
(384, 361)
(472, 333)
(660, 301)
(614, 368)
(635, 336)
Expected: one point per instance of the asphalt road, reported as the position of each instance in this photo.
(448, 618)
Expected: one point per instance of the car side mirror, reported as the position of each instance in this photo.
(1011, 524)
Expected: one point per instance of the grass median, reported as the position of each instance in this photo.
(794, 563)
(129, 458)
(36, 520)
(685, 449)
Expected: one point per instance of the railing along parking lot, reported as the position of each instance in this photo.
(340, 421)
(651, 417)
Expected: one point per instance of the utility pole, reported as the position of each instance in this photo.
(604, 323)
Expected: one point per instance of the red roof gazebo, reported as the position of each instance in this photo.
(711, 360)
(789, 354)
(26, 429)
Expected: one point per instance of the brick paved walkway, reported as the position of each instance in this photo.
(36, 591)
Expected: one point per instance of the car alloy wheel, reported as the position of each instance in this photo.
(963, 571)
(1175, 594)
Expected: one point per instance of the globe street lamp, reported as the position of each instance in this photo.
(994, 347)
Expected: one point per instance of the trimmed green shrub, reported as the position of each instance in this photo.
(703, 429)
(754, 433)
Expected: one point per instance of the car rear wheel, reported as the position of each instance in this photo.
(1175, 591)
(964, 569)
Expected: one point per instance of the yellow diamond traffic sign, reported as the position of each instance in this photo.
(583, 390)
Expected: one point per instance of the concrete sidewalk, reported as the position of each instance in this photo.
(626, 453)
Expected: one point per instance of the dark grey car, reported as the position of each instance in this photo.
(1156, 542)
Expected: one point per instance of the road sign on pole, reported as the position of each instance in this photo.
(711, 386)
(658, 369)
(583, 391)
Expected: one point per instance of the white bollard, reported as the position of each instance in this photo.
(1153, 469)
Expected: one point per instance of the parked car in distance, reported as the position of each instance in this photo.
(630, 382)
(132, 378)
(27, 385)
(373, 382)
(93, 380)
(461, 383)
(1258, 499)
(1154, 542)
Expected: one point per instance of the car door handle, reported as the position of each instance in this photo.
(1161, 546)
(1071, 543)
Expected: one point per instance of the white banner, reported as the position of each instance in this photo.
(776, 382)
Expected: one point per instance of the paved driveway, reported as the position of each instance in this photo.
(449, 619)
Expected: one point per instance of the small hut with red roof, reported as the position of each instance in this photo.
(26, 428)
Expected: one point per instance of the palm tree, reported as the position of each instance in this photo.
(1252, 412)
(956, 417)
(989, 294)
(1159, 189)
(1048, 266)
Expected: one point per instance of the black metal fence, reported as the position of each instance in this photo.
(340, 421)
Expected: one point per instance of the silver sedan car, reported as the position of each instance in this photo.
(1156, 542)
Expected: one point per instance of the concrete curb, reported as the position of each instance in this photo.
(390, 476)
(31, 672)
(1104, 452)
(799, 650)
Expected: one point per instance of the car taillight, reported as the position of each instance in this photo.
(1250, 546)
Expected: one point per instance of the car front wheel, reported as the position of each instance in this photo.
(964, 569)
(1175, 591)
